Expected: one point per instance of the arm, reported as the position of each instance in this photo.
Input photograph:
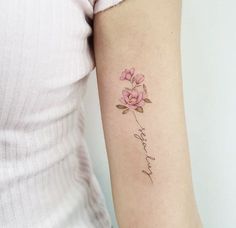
(147, 145)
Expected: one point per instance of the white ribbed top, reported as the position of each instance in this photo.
(46, 177)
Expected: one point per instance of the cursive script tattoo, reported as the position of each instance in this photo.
(133, 100)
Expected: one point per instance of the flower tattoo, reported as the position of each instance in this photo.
(133, 99)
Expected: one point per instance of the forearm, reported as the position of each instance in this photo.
(147, 151)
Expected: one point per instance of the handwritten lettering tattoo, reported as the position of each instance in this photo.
(133, 100)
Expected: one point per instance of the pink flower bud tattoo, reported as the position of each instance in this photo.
(133, 99)
(127, 74)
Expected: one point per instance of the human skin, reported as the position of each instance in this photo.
(145, 36)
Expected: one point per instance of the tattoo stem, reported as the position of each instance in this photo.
(137, 119)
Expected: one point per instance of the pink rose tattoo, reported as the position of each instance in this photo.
(135, 96)
(133, 99)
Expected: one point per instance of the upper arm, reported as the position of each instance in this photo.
(145, 35)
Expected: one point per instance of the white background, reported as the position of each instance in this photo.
(209, 77)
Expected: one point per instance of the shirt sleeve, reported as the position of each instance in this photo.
(101, 5)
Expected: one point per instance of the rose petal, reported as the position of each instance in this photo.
(127, 99)
(125, 92)
(128, 76)
(122, 77)
(140, 97)
(134, 93)
(141, 103)
(133, 101)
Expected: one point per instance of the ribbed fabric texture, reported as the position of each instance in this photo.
(46, 177)
(104, 4)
